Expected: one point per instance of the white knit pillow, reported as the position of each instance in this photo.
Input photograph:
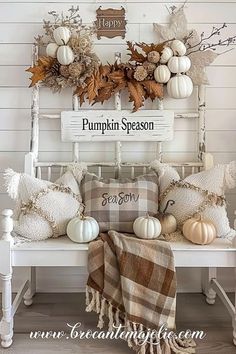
(55, 203)
(216, 180)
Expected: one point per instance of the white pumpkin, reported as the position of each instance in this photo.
(162, 74)
(51, 50)
(82, 229)
(147, 227)
(178, 47)
(179, 65)
(65, 55)
(166, 54)
(180, 86)
(61, 35)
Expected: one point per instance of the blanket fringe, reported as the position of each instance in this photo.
(103, 307)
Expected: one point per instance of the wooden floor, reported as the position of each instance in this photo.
(53, 311)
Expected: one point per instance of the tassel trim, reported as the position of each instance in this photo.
(97, 303)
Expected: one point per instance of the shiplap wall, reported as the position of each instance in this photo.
(20, 21)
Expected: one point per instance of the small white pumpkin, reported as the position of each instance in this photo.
(200, 231)
(61, 35)
(51, 50)
(179, 65)
(147, 227)
(162, 74)
(166, 54)
(180, 86)
(82, 229)
(65, 55)
(178, 47)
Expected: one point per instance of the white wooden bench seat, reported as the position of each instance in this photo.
(66, 253)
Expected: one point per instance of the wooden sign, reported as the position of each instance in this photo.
(114, 125)
(110, 23)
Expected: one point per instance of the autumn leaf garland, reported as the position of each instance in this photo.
(110, 79)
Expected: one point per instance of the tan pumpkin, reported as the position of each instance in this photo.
(200, 231)
(167, 220)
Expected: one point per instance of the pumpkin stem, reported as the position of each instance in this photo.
(169, 202)
(64, 43)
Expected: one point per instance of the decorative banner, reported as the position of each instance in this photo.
(110, 23)
(112, 125)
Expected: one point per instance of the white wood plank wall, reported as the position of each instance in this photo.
(20, 21)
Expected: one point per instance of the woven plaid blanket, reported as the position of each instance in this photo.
(132, 283)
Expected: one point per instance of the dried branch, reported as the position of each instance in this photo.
(203, 43)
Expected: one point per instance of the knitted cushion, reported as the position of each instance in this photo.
(43, 209)
(188, 200)
(116, 203)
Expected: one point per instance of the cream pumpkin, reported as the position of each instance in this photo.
(65, 55)
(166, 54)
(162, 74)
(51, 50)
(82, 229)
(180, 86)
(179, 64)
(147, 227)
(199, 231)
(178, 47)
(62, 35)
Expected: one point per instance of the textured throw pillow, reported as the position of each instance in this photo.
(116, 203)
(43, 209)
(200, 192)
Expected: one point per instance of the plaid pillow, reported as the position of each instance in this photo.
(116, 203)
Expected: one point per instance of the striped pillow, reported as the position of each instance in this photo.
(116, 203)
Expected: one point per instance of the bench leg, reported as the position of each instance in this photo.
(207, 276)
(6, 324)
(28, 297)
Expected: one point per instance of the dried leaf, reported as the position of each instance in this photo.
(81, 93)
(199, 60)
(104, 70)
(135, 54)
(117, 76)
(40, 70)
(147, 48)
(105, 93)
(202, 58)
(153, 88)
(177, 27)
(93, 84)
(193, 40)
(198, 75)
(136, 92)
